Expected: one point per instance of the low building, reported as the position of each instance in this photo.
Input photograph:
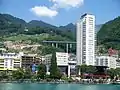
(72, 61)
(106, 60)
(29, 59)
(118, 63)
(62, 62)
(66, 63)
(10, 61)
(47, 61)
(62, 58)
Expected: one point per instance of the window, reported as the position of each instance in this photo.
(5, 64)
(10, 62)
(16, 65)
(97, 61)
(101, 62)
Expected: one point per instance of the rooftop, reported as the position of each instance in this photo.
(85, 15)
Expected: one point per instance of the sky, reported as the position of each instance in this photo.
(61, 12)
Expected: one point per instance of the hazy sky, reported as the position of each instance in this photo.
(61, 12)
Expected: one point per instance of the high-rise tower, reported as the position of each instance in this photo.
(86, 40)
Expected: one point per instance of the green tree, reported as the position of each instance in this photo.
(54, 71)
(91, 69)
(3, 75)
(18, 74)
(58, 74)
(41, 71)
(87, 69)
(83, 68)
(117, 71)
(112, 73)
(47, 49)
(27, 73)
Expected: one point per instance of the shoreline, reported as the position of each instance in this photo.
(52, 82)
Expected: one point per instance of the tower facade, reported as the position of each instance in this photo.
(86, 40)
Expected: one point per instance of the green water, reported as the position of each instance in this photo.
(57, 87)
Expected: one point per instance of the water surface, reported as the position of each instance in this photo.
(34, 86)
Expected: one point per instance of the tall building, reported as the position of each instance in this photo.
(86, 40)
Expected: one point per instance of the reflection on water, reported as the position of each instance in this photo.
(34, 86)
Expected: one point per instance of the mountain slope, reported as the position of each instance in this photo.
(109, 34)
(98, 27)
(10, 24)
(12, 19)
(70, 27)
(36, 23)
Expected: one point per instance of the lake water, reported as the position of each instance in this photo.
(57, 87)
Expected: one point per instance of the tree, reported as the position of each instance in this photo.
(91, 69)
(41, 71)
(83, 68)
(58, 74)
(112, 73)
(87, 69)
(19, 74)
(3, 75)
(27, 73)
(47, 49)
(54, 72)
(117, 71)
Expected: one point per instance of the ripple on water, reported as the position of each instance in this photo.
(35, 86)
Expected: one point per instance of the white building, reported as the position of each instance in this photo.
(47, 61)
(118, 63)
(62, 62)
(66, 62)
(106, 60)
(10, 61)
(62, 59)
(86, 40)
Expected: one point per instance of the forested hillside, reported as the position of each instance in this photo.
(109, 34)
(12, 26)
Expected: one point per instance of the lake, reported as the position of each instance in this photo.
(34, 86)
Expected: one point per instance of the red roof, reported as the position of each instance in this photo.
(97, 75)
(112, 51)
